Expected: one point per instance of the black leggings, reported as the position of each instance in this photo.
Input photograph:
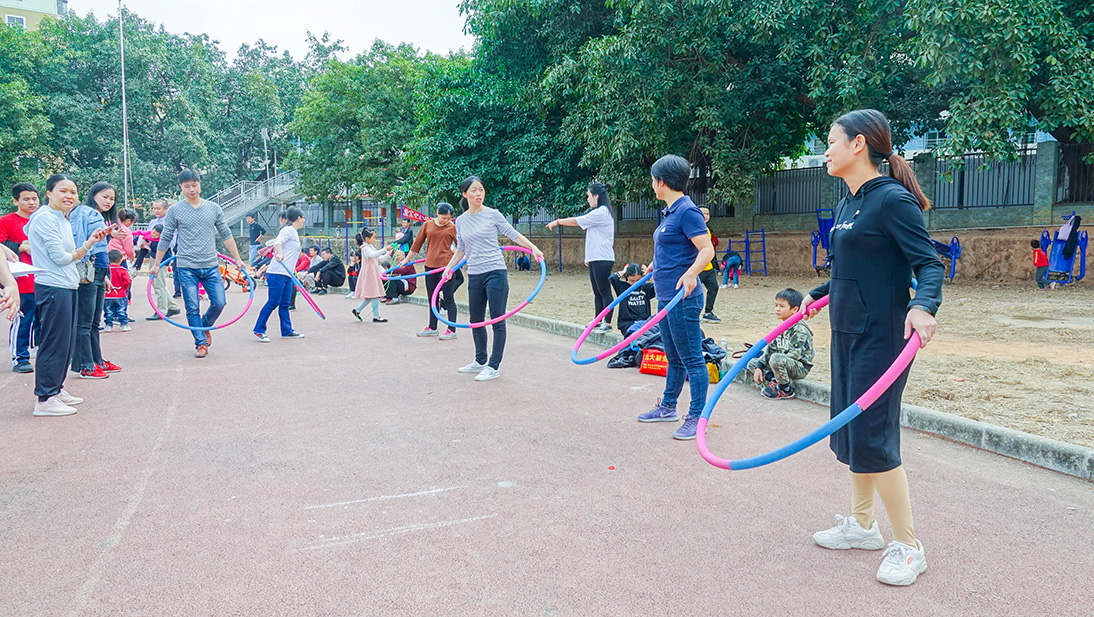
(599, 272)
(447, 299)
(709, 279)
(492, 287)
(89, 311)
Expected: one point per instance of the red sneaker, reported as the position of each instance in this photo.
(98, 373)
(201, 351)
(109, 367)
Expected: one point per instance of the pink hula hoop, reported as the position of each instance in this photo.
(250, 299)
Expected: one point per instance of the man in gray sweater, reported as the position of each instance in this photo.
(193, 223)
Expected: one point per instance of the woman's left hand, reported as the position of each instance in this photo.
(538, 254)
(688, 282)
(9, 302)
(922, 322)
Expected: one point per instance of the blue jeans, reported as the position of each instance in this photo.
(252, 253)
(211, 280)
(684, 351)
(732, 263)
(25, 331)
(115, 309)
(279, 293)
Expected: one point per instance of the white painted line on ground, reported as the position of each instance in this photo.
(374, 535)
(383, 497)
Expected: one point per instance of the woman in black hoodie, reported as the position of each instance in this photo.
(879, 239)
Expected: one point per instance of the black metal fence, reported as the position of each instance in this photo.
(1075, 176)
(791, 191)
(982, 182)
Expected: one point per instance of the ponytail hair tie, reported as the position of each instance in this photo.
(891, 153)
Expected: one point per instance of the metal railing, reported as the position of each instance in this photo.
(1075, 176)
(982, 182)
(245, 196)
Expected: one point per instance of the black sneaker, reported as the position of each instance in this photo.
(173, 312)
(153, 318)
(711, 318)
(23, 367)
(775, 392)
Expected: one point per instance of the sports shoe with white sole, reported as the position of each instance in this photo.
(448, 336)
(901, 564)
(474, 367)
(52, 406)
(849, 534)
(487, 374)
(68, 399)
(262, 338)
(427, 332)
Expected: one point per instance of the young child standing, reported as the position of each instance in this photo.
(1040, 262)
(789, 356)
(369, 286)
(116, 302)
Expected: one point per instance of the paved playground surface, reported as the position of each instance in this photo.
(355, 472)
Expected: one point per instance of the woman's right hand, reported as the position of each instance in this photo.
(809, 313)
(99, 234)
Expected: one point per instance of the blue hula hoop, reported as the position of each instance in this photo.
(493, 320)
(651, 322)
(250, 299)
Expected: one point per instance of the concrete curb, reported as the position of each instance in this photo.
(1060, 456)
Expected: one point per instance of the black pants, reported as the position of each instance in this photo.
(55, 312)
(709, 279)
(395, 289)
(89, 312)
(492, 287)
(447, 299)
(599, 271)
(328, 279)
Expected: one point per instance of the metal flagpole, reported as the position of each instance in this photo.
(125, 110)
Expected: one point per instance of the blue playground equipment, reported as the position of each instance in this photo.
(755, 255)
(1061, 267)
(821, 237)
(951, 251)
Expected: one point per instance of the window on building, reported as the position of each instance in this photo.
(16, 21)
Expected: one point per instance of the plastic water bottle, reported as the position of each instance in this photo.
(724, 346)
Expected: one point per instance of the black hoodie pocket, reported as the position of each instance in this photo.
(848, 309)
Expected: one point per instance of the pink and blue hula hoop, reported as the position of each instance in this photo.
(651, 322)
(384, 277)
(304, 293)
(839, 421)
(250, 299)
(488, 322)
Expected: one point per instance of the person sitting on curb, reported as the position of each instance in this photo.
(789, 356)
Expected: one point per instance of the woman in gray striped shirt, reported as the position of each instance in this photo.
(477, 232)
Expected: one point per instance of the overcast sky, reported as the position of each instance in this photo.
(434, 25)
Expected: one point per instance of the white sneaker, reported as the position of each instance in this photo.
(126, 328)
(68, 399)
(349, 295)
(474, 367)
(427, 332)
(487, 374)
(262, 338)
(722, 286)
(902, 564)
(108, 329)
(53, 407)
(849, 534)
(735, 285)
(448, 335)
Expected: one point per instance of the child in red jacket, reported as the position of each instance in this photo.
(116, 303)
(1040, 262)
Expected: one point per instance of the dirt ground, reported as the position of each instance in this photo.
(1005, 354)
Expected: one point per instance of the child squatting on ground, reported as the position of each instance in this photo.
(789, 356)
(116, 302)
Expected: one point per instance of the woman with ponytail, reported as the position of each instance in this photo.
(477, 231)
(879, 240)
(599, 229)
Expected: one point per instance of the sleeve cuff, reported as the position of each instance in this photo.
(921, 306)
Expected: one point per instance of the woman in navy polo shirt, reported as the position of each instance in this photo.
(681, 249)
